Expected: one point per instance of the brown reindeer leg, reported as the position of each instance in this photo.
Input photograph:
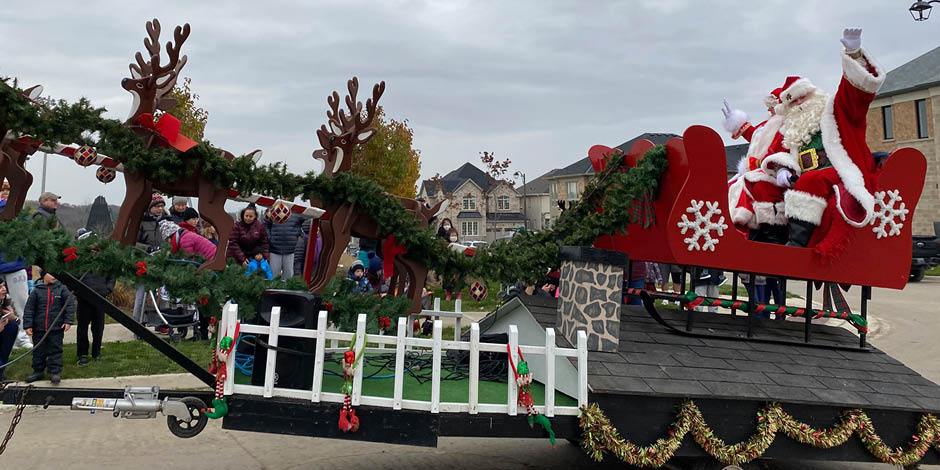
(335, 240)
(136, 199)
(20, 180)
(417, 275)
(212, 208)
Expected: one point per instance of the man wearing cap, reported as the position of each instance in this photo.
(48, 204)
(826, 139)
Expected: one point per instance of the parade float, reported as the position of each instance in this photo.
(640, 383)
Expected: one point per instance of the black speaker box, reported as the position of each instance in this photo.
(295, 356)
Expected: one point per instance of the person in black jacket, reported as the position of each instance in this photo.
(88, 313)
(50, 312)
(283, 240)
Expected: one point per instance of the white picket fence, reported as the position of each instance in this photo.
(400, 342)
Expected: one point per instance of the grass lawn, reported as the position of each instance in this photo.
(118, 359)
(934, 272)
(469, 305)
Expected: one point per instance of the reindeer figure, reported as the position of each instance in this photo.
(14, 151)
(345, 129)
(149, 83)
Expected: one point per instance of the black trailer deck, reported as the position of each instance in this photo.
(641, 386)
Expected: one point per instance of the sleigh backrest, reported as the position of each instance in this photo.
(649, 243)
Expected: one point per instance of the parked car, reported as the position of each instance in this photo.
(925, 256)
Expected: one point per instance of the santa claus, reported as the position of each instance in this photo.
(755, 194)
(825, 136)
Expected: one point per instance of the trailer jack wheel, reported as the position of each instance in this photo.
(197, 419)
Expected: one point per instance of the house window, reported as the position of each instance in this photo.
(469, 202)
(920, 108)
(502, 203)
(553, 189)
(887, 122)
(572, 190)
(470, 229)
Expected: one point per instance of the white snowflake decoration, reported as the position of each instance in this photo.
(890, 213)
(703, 226)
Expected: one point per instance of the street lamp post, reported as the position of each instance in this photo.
(525, 201)
(920, 10)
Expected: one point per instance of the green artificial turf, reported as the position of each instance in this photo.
(454, 388)
(118, 359)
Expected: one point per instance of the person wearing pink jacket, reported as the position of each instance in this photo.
(187, 241)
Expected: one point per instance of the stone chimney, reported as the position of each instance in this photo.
(591, 292)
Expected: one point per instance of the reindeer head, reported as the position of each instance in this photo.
(345, 131)
(430, 213)
(150, 80)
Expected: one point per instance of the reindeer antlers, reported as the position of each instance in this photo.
(152, 68)
(347, 127)
(354, 122)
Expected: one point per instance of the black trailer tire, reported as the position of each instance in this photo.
(185, 430)
(917, 275)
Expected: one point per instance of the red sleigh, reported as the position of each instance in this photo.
(693, 226)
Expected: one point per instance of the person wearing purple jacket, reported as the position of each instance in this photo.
(249, 239)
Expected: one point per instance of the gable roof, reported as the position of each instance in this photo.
(921, 72)
(453, 180)
(583, 166)
(540, 185)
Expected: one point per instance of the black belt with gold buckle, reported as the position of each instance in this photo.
(813, 159)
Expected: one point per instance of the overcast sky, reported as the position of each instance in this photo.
(536, 81)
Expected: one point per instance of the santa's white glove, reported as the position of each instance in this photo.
(783, 178)
(852, 39)
(734, 118)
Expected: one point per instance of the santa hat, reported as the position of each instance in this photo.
(794, 88)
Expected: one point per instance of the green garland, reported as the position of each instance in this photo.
(57, 252)
(600, 436)
(610, 201)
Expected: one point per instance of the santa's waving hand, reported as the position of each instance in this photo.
(826, 138)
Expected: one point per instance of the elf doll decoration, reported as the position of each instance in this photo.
(219, 367)
(525, 399)
(348, 421)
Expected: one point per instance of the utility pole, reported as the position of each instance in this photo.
(525, 201)
(45, 158)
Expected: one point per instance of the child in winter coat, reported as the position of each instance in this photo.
(187, 241)
(248, 243)
(357, 274)
(49, 313)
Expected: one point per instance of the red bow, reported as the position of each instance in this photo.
(385, 323)
(168, 128)
(141, 268)
(204, 301)
(390, 249)
(70, 254)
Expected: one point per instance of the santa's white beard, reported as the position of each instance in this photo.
(802, 121)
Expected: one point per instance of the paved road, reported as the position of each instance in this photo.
(907, 326)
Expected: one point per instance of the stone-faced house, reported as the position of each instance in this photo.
(537, 202)
(906, 113)
(481, 207)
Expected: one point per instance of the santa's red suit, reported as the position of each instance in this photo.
(836, 165)
(754, 194)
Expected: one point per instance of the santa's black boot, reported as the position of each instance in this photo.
(778, 234)
(800, 232)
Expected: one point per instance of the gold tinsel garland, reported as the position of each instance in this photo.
(600, 436)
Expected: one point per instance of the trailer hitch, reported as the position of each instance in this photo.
(185, 417)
